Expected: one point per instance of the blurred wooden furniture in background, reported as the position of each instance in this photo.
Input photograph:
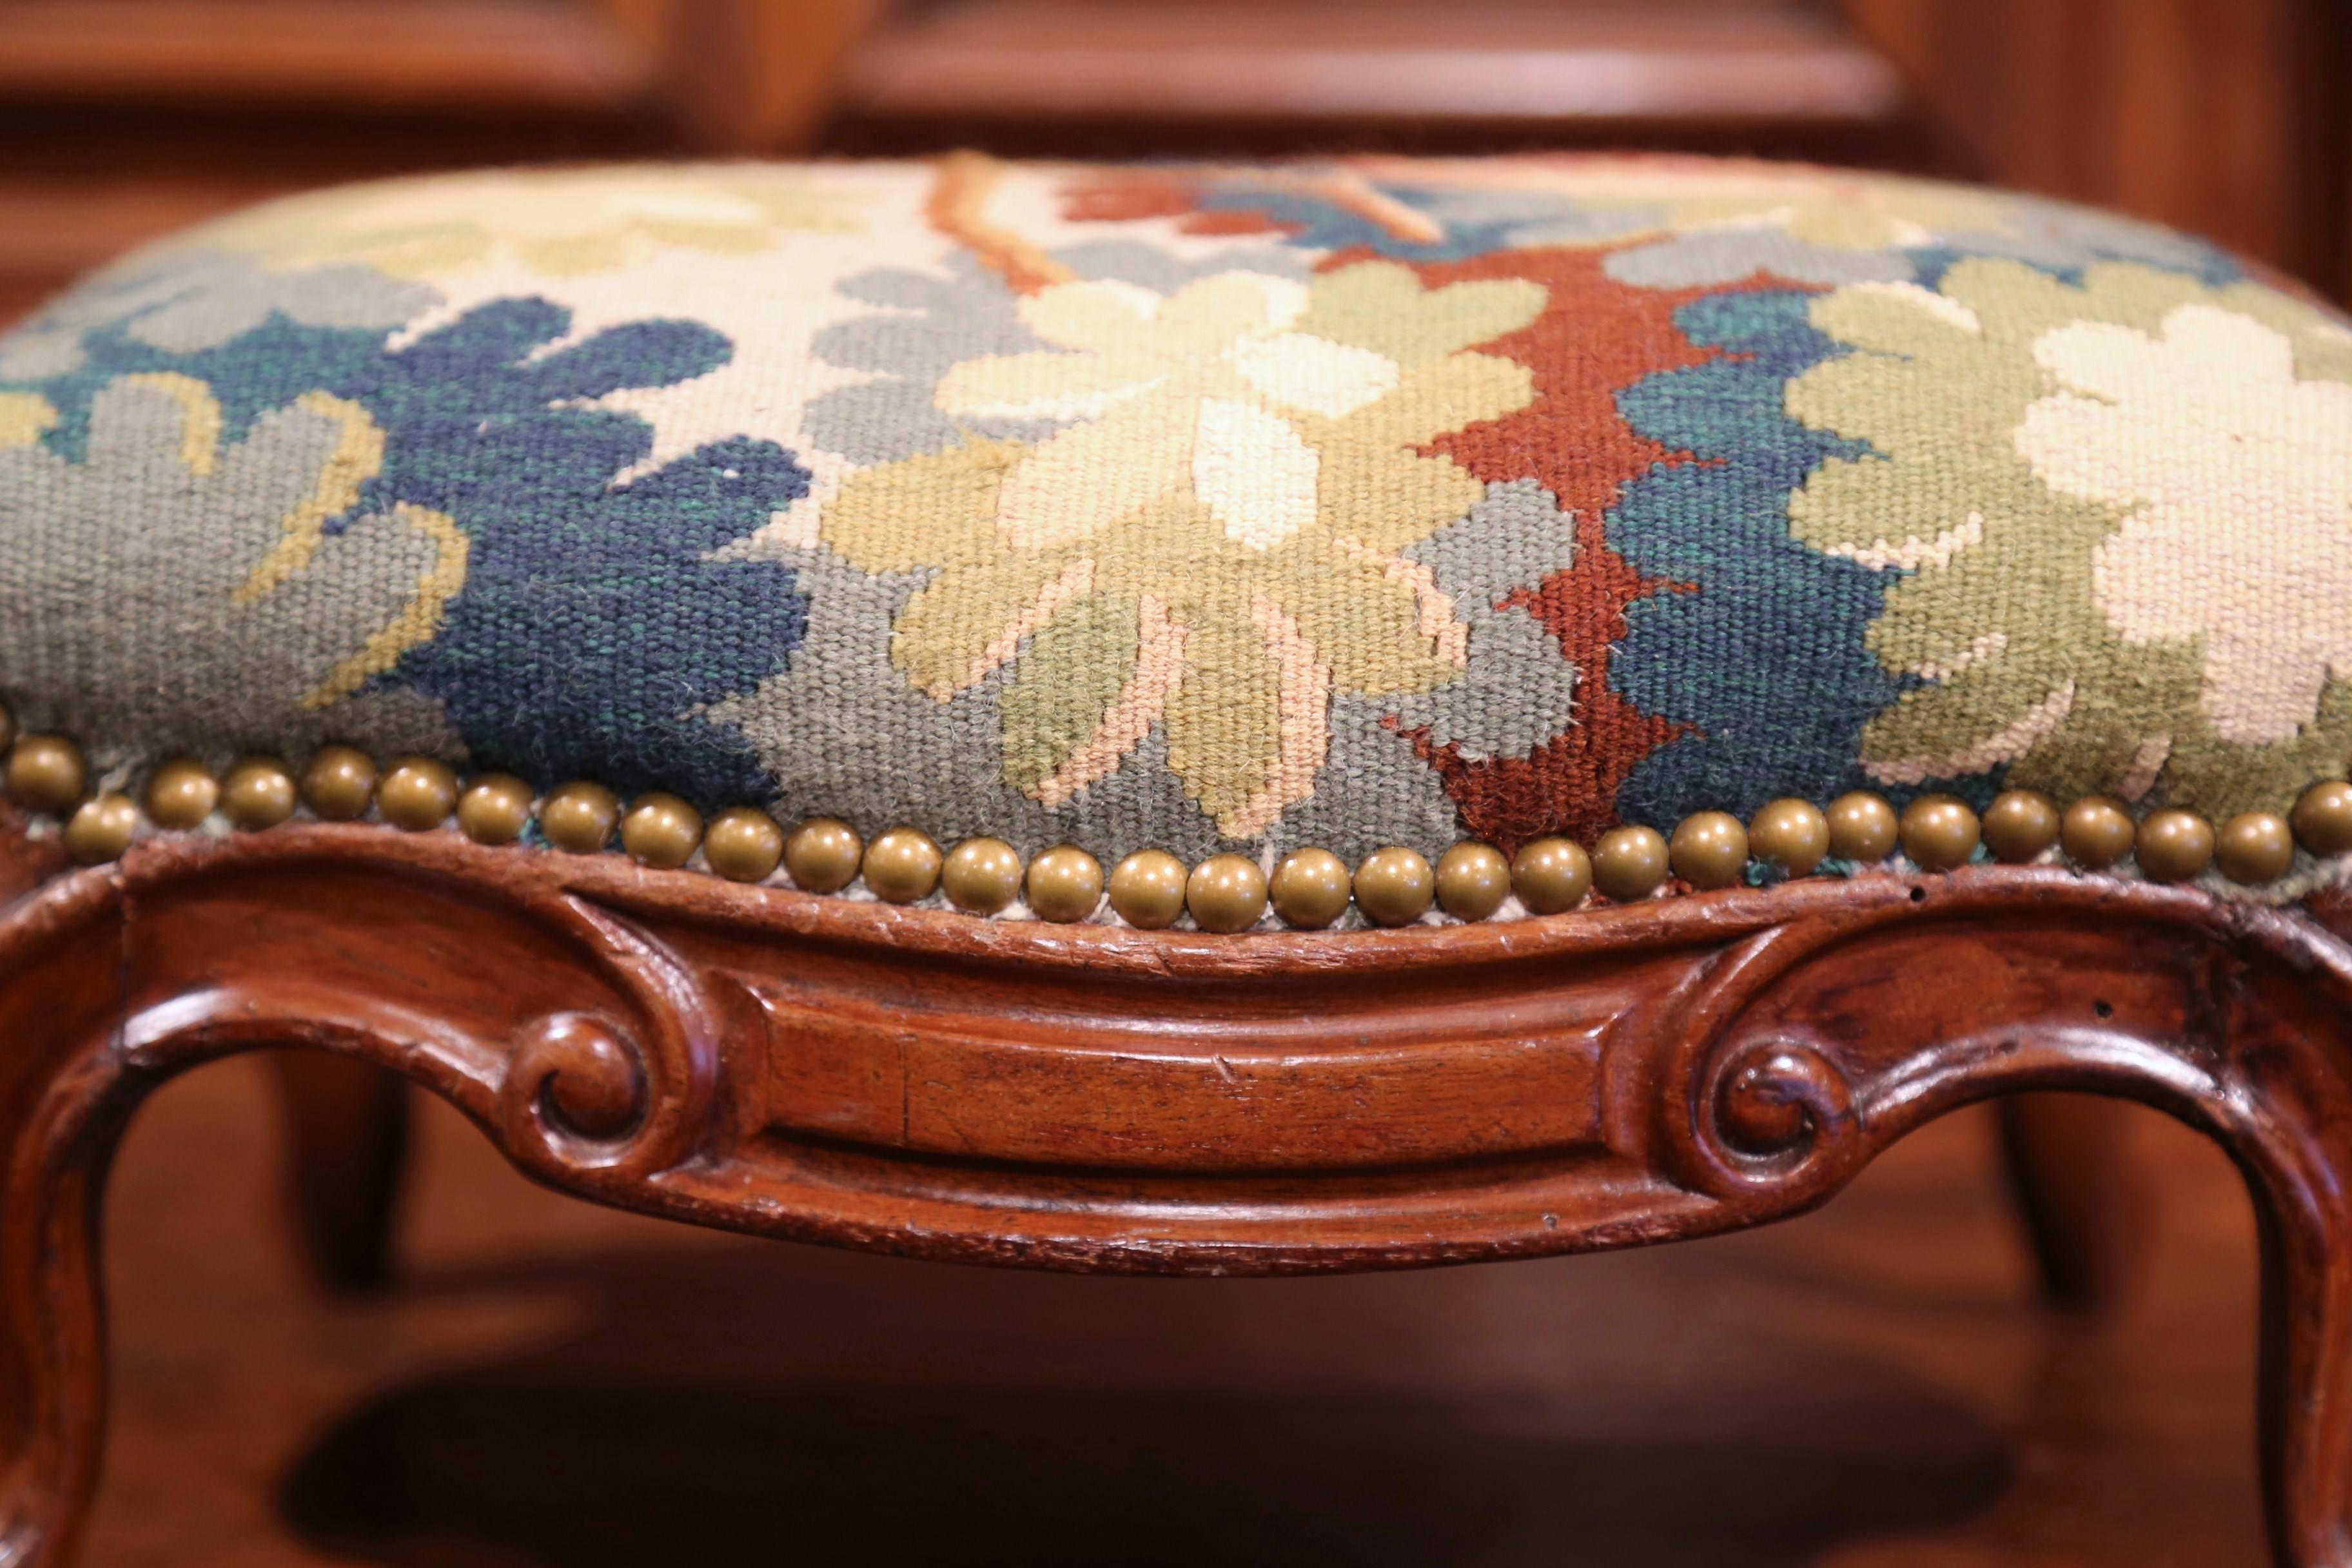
(127, 118)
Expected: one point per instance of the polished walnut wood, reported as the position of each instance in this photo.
(1105, 1100)
(1541, 68)
(408, 55)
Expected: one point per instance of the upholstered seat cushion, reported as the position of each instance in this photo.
(1345, 504)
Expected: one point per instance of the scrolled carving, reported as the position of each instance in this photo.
(580, 1074)
(1770, 1107)
(585, 1094)
(1751, 1116)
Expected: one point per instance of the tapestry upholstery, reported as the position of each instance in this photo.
(1346, 504)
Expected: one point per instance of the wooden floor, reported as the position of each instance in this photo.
(553, 1385)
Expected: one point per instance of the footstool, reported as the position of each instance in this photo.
(1187, 720)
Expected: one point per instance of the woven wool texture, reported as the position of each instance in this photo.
(1350, 504)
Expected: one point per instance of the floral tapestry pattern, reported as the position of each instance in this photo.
(2131, 583)
(1348, 502)
(1212, 541)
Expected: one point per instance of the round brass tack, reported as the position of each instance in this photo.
(824, 855)
(45, 773)
(257, 793)
(2323, 818)
(1793, 834)
(1226, 893)
(417, 794)
(743, 844)
(2254, 847)
(2020, 825)
(100, 828)
(1473, 880)
(902, 865)
(2096, 833)
(1630, 863)
(1708, 850)
(661, 830)
(1147, 889)
(1393, 886)
(2173, 845)
(1310, 889)
(1863, 828)
(1939, 832)
(1551, 875)
(494, 809)
(982, 875)
(579, 817)
(181, 794)
(1065, 884)
(339, 783)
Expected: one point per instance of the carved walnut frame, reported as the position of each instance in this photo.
(1096, 1099)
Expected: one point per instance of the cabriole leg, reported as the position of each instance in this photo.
(2297, 1150)
(2078, 1193)
(346, 1139)
(65, 1094)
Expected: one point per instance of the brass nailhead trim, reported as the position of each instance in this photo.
(45, 773)
(339, 783)
(1309, 889)
(743, 844)
(2174, 846)
(824, 853)
(2020, 825)
(417, 794)
(1629, 864)
(1394, 887)
(981, 876)
(2096, 833)
(1939, 832)
(902, 865)
(1708, 850)
(661, 831)
(1065, 884)
(1226, 893)
(580, 818)
(1473, 880)
(1791, 835)
(100, 828)
(258, 792)
(495, 809)
(1551, 876)
(181, 794)
(1148, 888)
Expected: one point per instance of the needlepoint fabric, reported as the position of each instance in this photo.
(1351, 503)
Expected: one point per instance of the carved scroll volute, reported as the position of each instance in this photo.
(589, 1098)
(1765, 1118)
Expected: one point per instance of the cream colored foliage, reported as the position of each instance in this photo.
(25, 418)
(2122, 509)
(1836, 208)
(1205, 387)
(1213, 544)
(2238, 477)
(555, 221)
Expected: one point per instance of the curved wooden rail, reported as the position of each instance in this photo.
(1102, 1098)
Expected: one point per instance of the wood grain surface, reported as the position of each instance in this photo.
(1102, 1099)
